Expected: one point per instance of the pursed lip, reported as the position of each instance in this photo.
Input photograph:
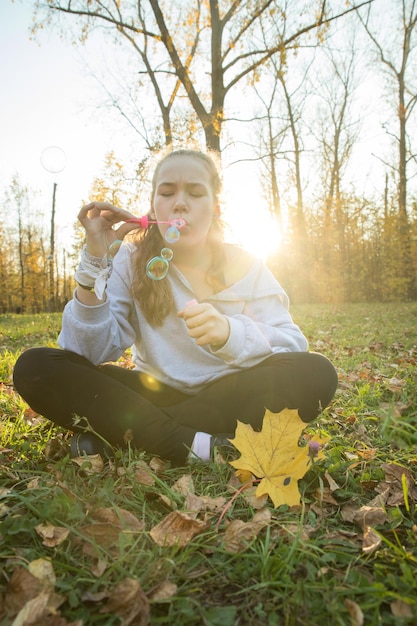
(185, 225)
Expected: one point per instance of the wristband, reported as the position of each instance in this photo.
(93, 272)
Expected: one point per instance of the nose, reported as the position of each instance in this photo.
(180, 204)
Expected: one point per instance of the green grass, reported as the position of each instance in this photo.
(307, 565)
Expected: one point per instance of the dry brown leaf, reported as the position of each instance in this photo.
(333, 486)
(41, 611)
(194, 504)
(116, 516)
(30, 596)
(184, 485)
(394, 476)
(91, 464)
(22, 587)
(370, 516)
(239, 533)
(304, 531)
(43, 570)
(348, 512)
(324, 496)
(249, 493)
(355, 612)
(102, 534)
(177, 528)
(143, 476)
(157, 465)
(256, 502)
(52, 536)
(163, 592)
(399, 608)
(128, 601)
(99, 567)
(370, 541)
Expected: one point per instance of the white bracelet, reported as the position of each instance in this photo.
(93, 272)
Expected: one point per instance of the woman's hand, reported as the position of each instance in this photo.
(98, 219)
(205, 324)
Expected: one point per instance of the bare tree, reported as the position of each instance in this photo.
(207, 47)
(336, 132)
(397, 51)
(398, 54)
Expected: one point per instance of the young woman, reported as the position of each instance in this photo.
(212, 339)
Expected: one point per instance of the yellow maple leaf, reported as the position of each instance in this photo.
(273, 454)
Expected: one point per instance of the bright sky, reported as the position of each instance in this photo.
(46, 100)
(50, 100)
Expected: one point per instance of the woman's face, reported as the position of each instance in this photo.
(183, 189)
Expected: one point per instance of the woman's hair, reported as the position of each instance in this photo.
(155, 296)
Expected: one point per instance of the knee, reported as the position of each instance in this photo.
(325, 370)
(323, 379)
(28, 367)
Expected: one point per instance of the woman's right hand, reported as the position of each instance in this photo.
(98, 219)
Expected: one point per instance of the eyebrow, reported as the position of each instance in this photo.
(168, 183)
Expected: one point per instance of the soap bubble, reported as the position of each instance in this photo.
(157, 268)
(172, 234)
(53, 159)
(114, 247)
(166, 253)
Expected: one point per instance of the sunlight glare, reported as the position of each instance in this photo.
(251, 223)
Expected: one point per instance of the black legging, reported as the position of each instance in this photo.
(60, 384)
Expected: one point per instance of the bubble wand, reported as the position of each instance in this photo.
(144, 221)
(157, 267)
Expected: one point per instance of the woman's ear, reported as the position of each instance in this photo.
(217, 211)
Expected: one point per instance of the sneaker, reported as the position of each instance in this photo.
(89, 443)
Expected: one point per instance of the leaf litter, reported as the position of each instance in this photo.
(362, 524)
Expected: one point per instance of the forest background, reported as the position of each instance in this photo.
(287, 94)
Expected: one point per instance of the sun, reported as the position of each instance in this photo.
(252, 225)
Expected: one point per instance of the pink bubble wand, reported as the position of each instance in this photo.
(158, 266)
(144, 221)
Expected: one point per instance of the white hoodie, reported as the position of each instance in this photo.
(256, 307)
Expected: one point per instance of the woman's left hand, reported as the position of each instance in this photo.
(205, 324)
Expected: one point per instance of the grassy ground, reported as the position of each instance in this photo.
(79, 542)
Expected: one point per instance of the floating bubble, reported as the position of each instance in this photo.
(166, 253)
(157, 268)
(53, 159)
(114, 247)
(172, 234)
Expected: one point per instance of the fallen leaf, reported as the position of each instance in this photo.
(43, 570)
(52, 535)
(163, 592)
(99, 567)
(158, 465)
(41, 610)
(184, 485)
(143, 475)
(370, 516)
(91, 464)
(399, 608)
(22, 587)
(370, 541)
(333, 486)
(119, 517)
(129, 602)
(177, 529)
(355, 612)
(240, 534)
(273, 454)
(194, 504)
